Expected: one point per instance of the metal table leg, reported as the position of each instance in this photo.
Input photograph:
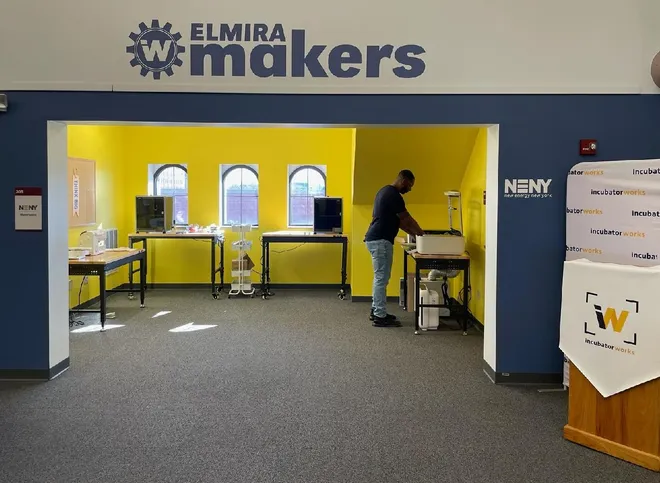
(265, 270)
(268, 292)
(146, 262)
(264, 290)
(416, 302)
(466, 285)
(222, 265)
(102, 297)
(130, 273)
(344, 255)
(213, 291)
(405, 280)
(143, 279)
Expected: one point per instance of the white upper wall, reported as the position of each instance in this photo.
(470, 46)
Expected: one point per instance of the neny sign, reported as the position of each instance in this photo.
(28, 209)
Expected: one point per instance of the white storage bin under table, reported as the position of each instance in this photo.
(444, 263)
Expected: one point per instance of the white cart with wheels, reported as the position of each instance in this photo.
(241, 266)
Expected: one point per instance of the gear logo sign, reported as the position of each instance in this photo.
(155, 49)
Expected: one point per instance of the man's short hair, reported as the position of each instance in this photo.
(407, 175)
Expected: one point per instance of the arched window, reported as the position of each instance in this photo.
(305, 183)
(239, 195)
(172, 180)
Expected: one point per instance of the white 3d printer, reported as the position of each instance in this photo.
(93, 240)
(447, 242)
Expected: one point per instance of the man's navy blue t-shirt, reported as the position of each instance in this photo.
(385, 219)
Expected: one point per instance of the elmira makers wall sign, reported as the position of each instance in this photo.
(446, 46)
(265, 51)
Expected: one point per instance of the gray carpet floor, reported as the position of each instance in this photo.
(298, 388)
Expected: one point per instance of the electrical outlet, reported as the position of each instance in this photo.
(85, 280)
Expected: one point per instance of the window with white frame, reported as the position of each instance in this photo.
(171, 180)
(239, 194)
(305, 183)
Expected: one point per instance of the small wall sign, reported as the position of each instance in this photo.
(28, 209)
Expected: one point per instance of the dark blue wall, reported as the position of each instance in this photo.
(538, 139)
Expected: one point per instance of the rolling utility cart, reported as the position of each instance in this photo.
(242, 265)
(442, 255)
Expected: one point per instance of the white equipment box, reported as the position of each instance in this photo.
(429, 317)
(93, 240)
(440, 245)
(77, 253)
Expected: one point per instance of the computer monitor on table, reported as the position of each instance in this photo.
(328, 215)
(154, 214)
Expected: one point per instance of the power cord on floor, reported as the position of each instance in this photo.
(461, 294)
(445, 292)
(460, 300)
(82, 282)
(261, 260)
(72, 317)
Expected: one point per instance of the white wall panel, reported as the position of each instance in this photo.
(471, 46)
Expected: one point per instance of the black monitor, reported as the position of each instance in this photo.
(153, 214)
(328, 215)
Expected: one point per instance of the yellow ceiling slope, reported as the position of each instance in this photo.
(437, 156)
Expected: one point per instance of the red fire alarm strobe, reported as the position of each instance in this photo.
(588, 147)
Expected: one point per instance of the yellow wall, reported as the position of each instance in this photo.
(102, 144)
(438, 158)
(359, 162)
(203, 150)
(474, 219)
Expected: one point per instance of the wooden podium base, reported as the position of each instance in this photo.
(626, 425)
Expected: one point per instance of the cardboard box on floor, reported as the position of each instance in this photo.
(248, 264)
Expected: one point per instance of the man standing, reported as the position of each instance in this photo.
(389, 215)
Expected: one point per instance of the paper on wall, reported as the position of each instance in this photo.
(76, 195)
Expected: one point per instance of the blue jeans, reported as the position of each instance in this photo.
(382, 252)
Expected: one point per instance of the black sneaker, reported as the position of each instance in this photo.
(385, 322)
(388, 316)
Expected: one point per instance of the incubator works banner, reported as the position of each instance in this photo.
(609, 326)
(613, 212)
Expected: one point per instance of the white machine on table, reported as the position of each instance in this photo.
(76, 253)
(94, 241)
(449, 242)
(90, 243)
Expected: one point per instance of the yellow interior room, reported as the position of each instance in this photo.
(357, 162)
(442, 159)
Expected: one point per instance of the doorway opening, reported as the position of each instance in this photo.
(264, 176)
